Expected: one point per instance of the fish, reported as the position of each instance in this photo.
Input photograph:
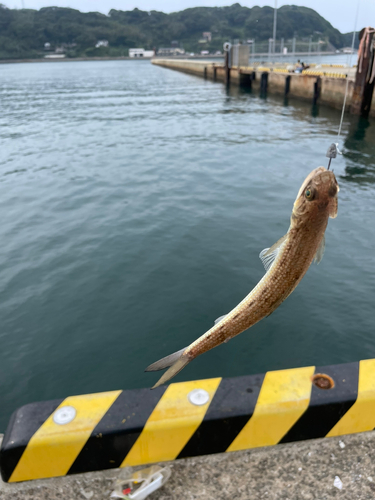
(285, 262)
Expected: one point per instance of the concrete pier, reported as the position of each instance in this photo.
(321, 86)
(321, 469)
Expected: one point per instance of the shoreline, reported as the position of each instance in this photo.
(72, 59)
(127, 58)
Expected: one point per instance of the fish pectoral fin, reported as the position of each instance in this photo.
(175, 362)
(268, 255)
(320, 252)
(219, 319)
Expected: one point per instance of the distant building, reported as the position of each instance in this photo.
(141, 53)
(47, 46)
(101, 43)
(54, 56)
(207, 35)
(205, 52)
(172, 51)
(175, 43)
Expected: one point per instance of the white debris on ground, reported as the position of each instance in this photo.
(342, 444)
(337, 483)
(86, 494)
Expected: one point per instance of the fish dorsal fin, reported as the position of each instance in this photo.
(320, 252)
(219, 319)
(268, 255)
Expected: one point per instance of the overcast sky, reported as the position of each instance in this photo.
(340, 13)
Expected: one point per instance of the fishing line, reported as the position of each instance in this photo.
(333, 150)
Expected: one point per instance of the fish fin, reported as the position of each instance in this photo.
(219, 319)
(320, 252)
(268, 255)
(176, 361)
(165, 362)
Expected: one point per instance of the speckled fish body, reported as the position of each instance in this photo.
(286, 263)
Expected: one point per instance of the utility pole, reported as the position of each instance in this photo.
(310, 41)
(23, 4)
(274, 27)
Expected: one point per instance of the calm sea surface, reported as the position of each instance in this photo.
(134, 203)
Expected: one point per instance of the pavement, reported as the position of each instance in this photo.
(320, 469)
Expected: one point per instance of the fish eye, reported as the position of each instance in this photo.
(308, 194)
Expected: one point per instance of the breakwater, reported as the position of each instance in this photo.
(318, 86)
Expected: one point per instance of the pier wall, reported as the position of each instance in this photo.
(328, 90)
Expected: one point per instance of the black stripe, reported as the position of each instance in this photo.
(327, 406)
(22, 426)
(117, 431)
(229, 411)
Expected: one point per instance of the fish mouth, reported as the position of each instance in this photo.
(328, 180)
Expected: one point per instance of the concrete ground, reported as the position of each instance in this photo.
(321, 469)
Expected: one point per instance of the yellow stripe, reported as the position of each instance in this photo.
(361, 416)
(171, 424)
(283, 398)
(53, 448)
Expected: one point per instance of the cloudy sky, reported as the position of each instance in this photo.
(340, 13)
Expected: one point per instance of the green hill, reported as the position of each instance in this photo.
(23, 33)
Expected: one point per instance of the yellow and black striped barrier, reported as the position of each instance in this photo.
(333, 65)
(121, 428)
(324, 73)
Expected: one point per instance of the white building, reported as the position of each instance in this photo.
(171, 51)
(141, 53)
(54, 56)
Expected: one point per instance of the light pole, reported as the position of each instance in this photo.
(274, 26)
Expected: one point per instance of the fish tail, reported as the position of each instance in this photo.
(176, 362)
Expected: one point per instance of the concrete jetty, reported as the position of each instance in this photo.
(340, 467)
(325, 85)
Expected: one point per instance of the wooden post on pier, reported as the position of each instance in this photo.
(364, 78)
